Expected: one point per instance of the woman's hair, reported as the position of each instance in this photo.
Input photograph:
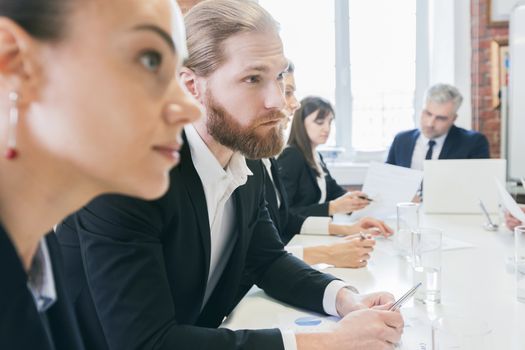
(298, 135)
(42, 19)
(210, 23)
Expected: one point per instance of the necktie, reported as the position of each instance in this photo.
(431, 144)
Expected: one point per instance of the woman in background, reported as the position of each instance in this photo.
(310, 188)
(89, 104)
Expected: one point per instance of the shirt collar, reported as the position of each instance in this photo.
(209, 168)
(439, 140)
(41, 281)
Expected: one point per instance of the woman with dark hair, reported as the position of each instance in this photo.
(310, 188)
(89, 104)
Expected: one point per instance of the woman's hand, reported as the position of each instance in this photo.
(351, 252)
(348, 203)
(366, 225)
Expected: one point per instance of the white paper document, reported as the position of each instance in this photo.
(509, 203)
(388, 185)
(402, 247)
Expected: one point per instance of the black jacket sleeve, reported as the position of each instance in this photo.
(280, 274)
(124, 262)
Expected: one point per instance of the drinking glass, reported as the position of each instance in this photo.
(407, 221)
(426, 264)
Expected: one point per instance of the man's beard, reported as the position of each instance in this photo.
(223, 127)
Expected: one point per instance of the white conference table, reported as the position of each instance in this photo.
(476, 284)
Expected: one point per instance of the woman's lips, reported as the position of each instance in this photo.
(170, 152)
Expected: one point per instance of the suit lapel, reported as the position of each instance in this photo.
(271, 195)
(197, 197)
(448, 145)
(412, 145)
(220, 301)
(283, 209)
(313, 178)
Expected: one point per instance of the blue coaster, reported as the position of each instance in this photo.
(308, 321)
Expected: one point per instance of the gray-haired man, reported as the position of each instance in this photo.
(438, 137)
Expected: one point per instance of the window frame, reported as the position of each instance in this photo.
(343, 89)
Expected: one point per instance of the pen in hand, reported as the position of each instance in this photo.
(397, 305)
(365, 198)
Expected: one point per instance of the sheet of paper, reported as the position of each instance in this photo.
(416, 334)
(388, 185)
(509, 203)
(390, 247)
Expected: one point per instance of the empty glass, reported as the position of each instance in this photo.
(426, 263)
(407, 221)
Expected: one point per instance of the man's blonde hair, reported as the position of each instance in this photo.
(211, 22)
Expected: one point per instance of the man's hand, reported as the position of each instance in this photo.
(367, 329)
(347, 301)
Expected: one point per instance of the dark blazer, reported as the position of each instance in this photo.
(300, 182)
(459, 144)
(287, 223)
(22, 327)
(145, 266)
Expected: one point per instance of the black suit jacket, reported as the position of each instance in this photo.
(22, 327)
(287, 223)
(459, 144)
(300, 182)
(145, 266)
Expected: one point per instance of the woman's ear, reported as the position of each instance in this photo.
(191, 81)
(18, 60)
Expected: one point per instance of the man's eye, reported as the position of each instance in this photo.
(151, 60)
(252, 79)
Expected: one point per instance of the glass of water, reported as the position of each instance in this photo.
(426, 264)
(519, 256)
(407, 221)
(460, 333)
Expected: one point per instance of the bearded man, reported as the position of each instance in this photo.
(164, 274)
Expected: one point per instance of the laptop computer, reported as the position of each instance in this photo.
(455, 186)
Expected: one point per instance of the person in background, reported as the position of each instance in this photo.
(310, 188)
(351, 252)
(163, 274)
(89, 103)
(437, 137)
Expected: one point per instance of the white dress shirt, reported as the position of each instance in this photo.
(421, 148)
(268, 166)
(41, 281)
(219, 184)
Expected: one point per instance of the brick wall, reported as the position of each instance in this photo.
(185, 5)
(483, 33)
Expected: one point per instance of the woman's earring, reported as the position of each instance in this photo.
(11, 152)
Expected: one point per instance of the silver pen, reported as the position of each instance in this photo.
(397, 305)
